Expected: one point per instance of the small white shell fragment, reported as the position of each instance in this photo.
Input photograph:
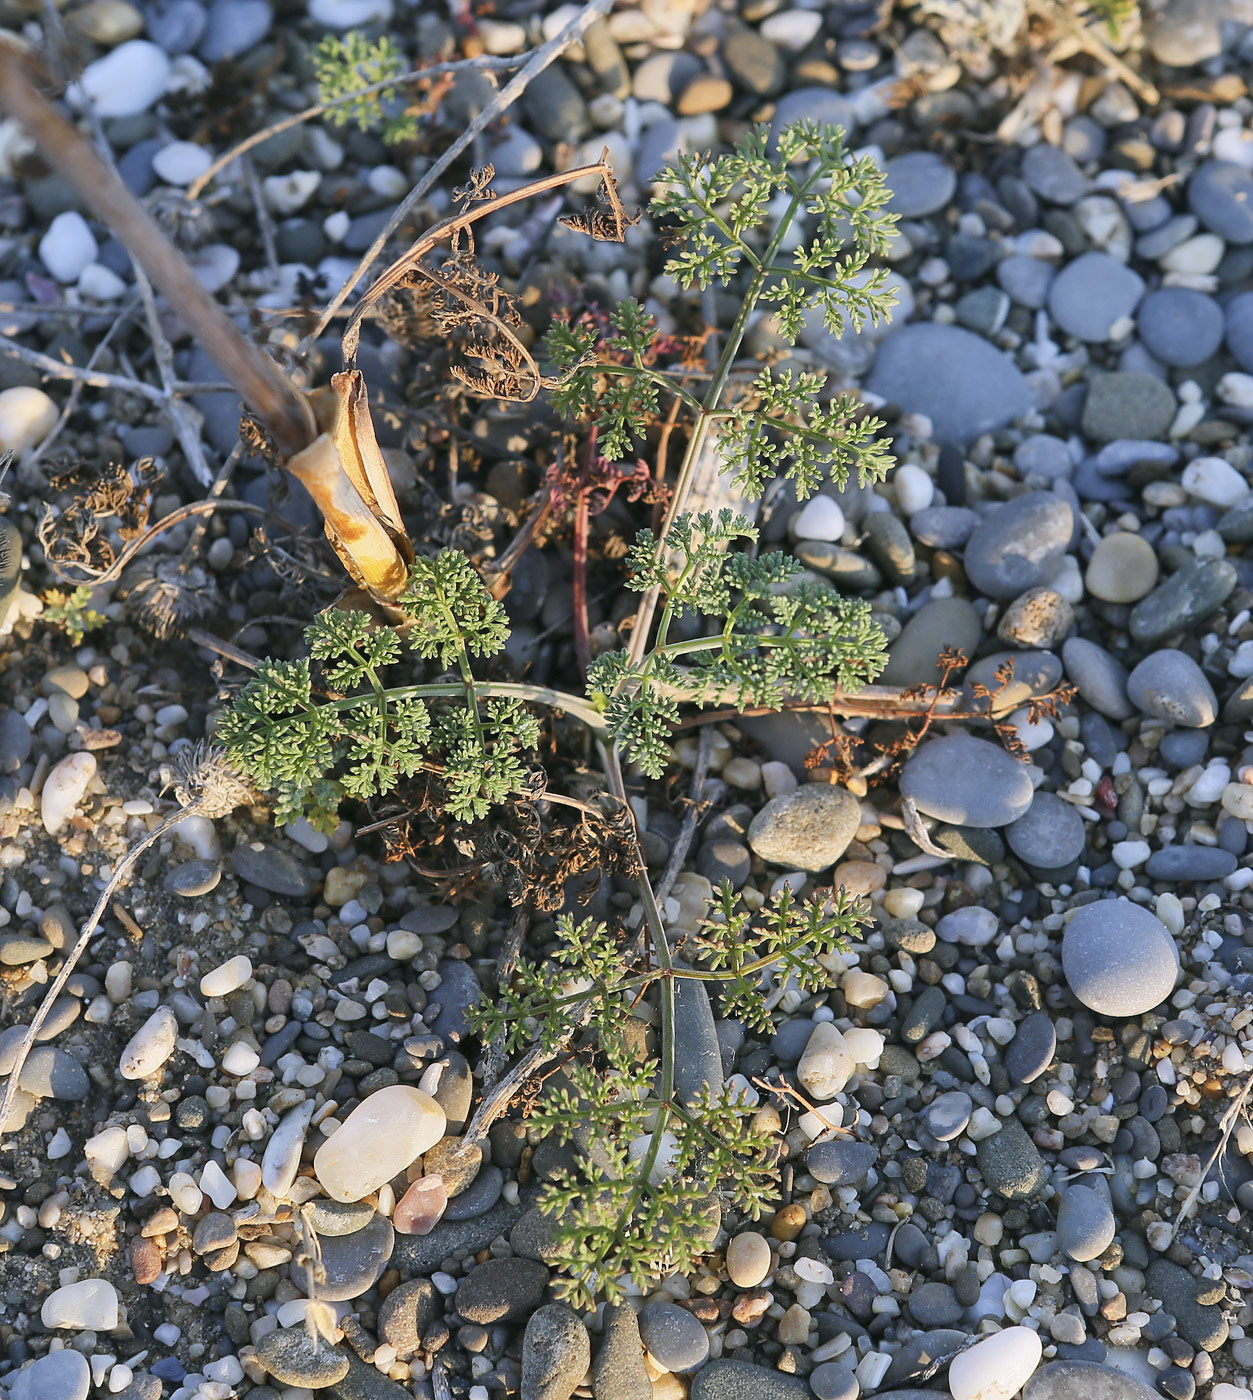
(64, 788)
(150, 1046)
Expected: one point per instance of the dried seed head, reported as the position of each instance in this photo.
(173, 598)
(188, 222)
(206, 781)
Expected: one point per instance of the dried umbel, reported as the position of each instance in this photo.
(172, 597)
(205, 782)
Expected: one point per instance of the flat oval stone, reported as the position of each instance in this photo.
(193, 877)
(807, 829)
(964, 384)
(1031, 1051)
(271, 869)
(1190, 864)
(967, 782)
(1085, 1380)
(1169, 685)
(840, 1161)
(945, 1118)
(291, 1357)
(921, 184)
(1100, 678)
(501, 1290)
(673, 1337)
(60, 1375)
(1049, 835)
(380, 1138)
(353, 1263)
(1119, 959)
(738, 1380)
(1019, 545)
(1220, 194)
(1181, 327)
(1092, 293)
(939, 624)
(1085, 1223)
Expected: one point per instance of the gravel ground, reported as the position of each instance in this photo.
(1037, 1059)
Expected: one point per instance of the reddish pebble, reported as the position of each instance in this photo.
(420, 1208)
(145, 1260)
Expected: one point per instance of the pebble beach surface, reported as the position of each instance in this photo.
(1014, 1152)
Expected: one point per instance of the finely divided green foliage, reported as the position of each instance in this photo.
(615, 1223)
(353, 735)
(371, 706)
(349, 69)
(778, 636)
(727, 218)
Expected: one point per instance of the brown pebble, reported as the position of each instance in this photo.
(749, 1308)
(161, 1222)
(145, 1260)
(221, 1259)
(789, 1222)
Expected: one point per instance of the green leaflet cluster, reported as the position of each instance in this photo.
(347, 733)
(778, 636)
(653, 1160)
(723, 219)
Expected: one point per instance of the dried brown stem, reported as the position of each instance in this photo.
(275, 402)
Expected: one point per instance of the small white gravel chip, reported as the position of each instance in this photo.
(240, 1059)
(819, 519)
(108, 1150)
(150, 1046)
(68, 246)
(227, 977)
(287, 193)
(181, 162)
(217, 1185)
(89, 1304)
(100, 283)
(64, 788)
(914, 488)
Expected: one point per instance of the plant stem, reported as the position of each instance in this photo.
(713, 395)
(582, 642)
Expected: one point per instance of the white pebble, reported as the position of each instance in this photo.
(126, 82)
(281, 1159)
(1236, 389)
(819, 519)
(825, 1065)
(89, 1304)
(217, 1185)
(997, 1367)
(226, 977)
(67, 247)
(778, 779)
(240, 1059)
(287, 193)
(107, 1151)
(150, 1046)
(214, 265)
(1214, 481)
(27, 416)
(914, 488)
(64, 788)
(181, 162)
(99, 283)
